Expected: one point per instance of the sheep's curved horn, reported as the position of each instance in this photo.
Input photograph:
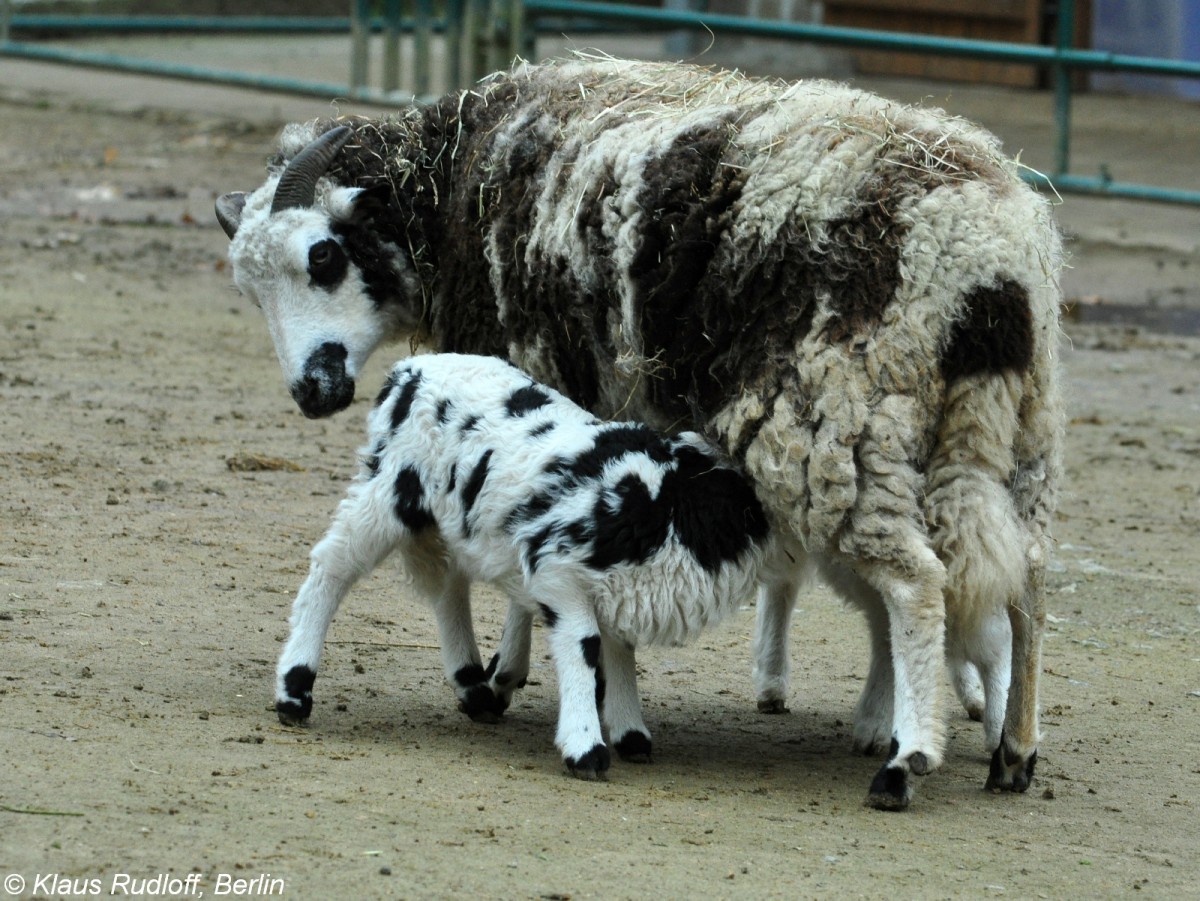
(298, 185)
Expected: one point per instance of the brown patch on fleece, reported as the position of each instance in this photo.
(995, 334)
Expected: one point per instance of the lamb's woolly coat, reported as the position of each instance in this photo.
(855, 299)
(474, 472)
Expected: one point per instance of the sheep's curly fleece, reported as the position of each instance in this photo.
(831, 282)
(855, 299)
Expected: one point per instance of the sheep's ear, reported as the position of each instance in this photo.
(370, 202)
(229, 211)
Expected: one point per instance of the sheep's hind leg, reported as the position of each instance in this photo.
(355, 544)
(509, 666)
(460, 651)
(622, 707)
(1014, 760)
(912, 592)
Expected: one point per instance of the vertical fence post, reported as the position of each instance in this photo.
(391, 45)
(1065, 40)
(422, 54)
(360, 36)
(518, 39)
(454, 45)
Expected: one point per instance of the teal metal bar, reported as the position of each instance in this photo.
(190, 73)
(33, 22)
(1099, 186)
(1065, 38)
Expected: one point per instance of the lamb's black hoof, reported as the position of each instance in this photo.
(296, 707)
(1009, 772)
(890, 789)
(592, 765)
(482, 705)
(634, 747)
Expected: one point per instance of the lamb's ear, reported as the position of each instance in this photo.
(370, 202)
(229, 211)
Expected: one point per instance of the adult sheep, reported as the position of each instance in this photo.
(855, 299)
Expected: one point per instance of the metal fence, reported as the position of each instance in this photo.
(481, 36)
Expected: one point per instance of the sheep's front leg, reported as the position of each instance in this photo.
(576, 648)
(622, 706)
(357, 541)
(509, 667)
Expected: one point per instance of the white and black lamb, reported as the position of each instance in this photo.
(617, 535)
(854, 299)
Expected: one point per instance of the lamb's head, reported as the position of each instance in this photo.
(331, 285)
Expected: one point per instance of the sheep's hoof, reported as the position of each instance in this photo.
(1010, 771)
(634, 747)
(890, 789)
(591, 766)
(772, 706)
(482, 705)
(296, 706)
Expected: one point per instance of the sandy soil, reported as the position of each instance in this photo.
(146, 574)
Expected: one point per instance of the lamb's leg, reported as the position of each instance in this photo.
(460, 651)
(772, 662)
(576, 647)
(622, 706)
(357, 541)
(509, 667)
(1014, 760)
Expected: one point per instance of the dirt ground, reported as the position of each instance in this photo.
(147, 569)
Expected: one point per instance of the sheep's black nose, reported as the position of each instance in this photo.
(324, 388)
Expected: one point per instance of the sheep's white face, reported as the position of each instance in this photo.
(294, 265)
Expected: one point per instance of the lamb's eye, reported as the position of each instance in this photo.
(327, 263)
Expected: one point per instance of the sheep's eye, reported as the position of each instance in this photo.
(327, 263)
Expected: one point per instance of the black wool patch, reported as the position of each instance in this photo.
(372, 462)
(995, 334)
(443, 411)
(474, 483)
(629, 525)
(689, 197)
(536, 506)
(550, 615)
(715, 512)
(542, 429)
(612, 444)
(410, 501)
(405, 401)
(525, 400)
(590, 647)
(471, 674)
(534, 547)
(469, 424)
